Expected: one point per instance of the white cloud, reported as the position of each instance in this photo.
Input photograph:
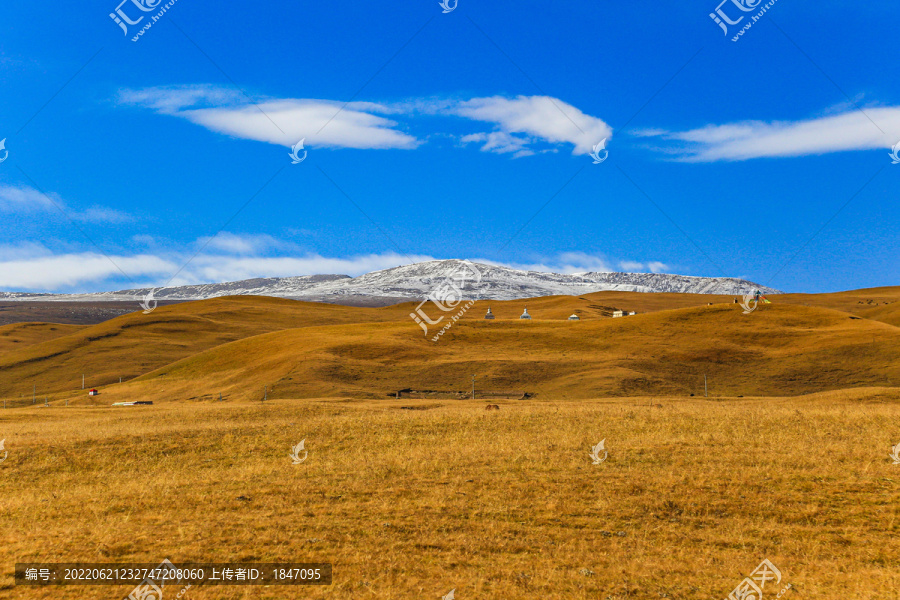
(34, 268)
(231, 243)
(629, 265)
(22, 199)
(499, 142)
(542, 117)
(852, 130)
(278, 121)
(212, 268)
(639, 267)
(361, 124)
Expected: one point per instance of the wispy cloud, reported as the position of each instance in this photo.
(500, 142)
(35, 268)
(520, 122)
(32, 267)
(231, 243)
(278, 121)
(22, 199)
(541, 117)
(851, 130)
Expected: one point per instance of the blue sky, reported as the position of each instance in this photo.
(442, 135)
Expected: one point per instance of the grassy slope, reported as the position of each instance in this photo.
(780, 350)
(879, 304)
(133, 344)
(238, 345)
(21, 335)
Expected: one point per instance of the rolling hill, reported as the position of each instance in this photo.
(239, 346)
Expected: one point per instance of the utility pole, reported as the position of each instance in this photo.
(82, 381)
(705, 389)
(266, 397)
(33, 391)
(473, 387)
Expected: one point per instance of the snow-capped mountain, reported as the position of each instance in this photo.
(416, 281)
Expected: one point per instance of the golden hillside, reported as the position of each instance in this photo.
(238, 346)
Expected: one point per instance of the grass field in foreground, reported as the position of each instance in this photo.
(502, 504)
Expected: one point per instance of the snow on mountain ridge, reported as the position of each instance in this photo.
(415, 281)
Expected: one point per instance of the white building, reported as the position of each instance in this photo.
(525, 314)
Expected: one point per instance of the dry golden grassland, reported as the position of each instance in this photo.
(240, 346)
(409, 504)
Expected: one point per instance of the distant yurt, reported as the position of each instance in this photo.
(525, 314)
(574, 317)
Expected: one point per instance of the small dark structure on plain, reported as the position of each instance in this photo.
(489, 315)
(459, 395)
(492, 407)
